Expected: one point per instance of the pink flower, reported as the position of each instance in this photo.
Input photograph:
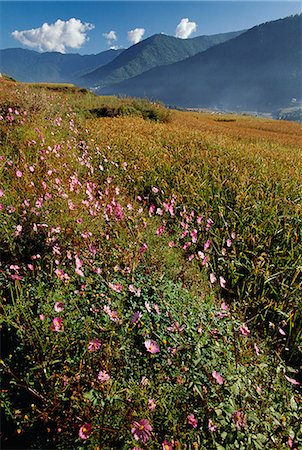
(79, 264)
(136, 317)
(217, 377)
(85, 431)
(155, 190)
(256, 349)
(117, 287)
(1, 193)
(143, 249)
(42, 317)
(211, 426)
(113, 315)
(171, 244)
(244, 329)
(213, 278)
(228, 242)
(291, 380)
(118, 212)
(239, 419)
(207, 245)
(19, 173)
(94, 345)
(166, 445)
(282, 332)
(152, 346)
(192, 420)
(148, 307)
(156, 308)
(222, 282)
(224, 306)
(199, 329)
(141, 430)
(59, 307)
(160, 230)
(103, 376)
(57, 324)
(151, 404)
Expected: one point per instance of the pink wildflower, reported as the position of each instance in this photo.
(166, 445)
(217, 377)
(113, 315)
(282, 332)
(103, 376)
(143, 249)
(171, 244)
(57, 324)
(292, 381)
(152, 346)
(148, 307)
(136, 317)
(156, 309)
(199, 329)
(94, 345)
(229, 242)
(41, 317)
(244, 329)
(222, 282)
(85, 431)
(213, 278)
(117, 287)
(141, 430)
(1, 193)
(256, 349)
(160, 230)
(79, 264)
(207, 245)
(151, 404)
(239, 419)
(118, 212)
(59, 307)
(224, 306)
(19, 173)
(192, 420)
(211, 426)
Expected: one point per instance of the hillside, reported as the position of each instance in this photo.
(150, 275)
(157, 50)
(31, 66)
(259, 70)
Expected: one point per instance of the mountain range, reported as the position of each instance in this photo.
(259, 69)
(31, 66)
(157, 50)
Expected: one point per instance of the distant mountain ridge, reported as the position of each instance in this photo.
(260, 69)
(157, 50)
(32, 66)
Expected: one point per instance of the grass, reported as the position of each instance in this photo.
(124, 222)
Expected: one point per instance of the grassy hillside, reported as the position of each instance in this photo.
(150, 275)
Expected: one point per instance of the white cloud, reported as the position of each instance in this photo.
(136, 35)
(55, 36)
(111, 37)
(185, 28)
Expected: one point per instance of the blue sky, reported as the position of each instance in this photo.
(208, 17)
